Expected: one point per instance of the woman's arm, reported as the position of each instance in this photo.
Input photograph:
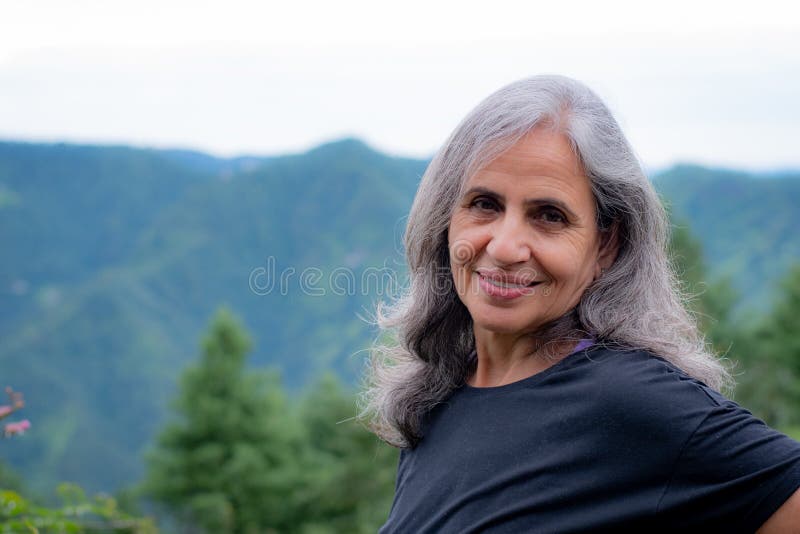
(786, 519)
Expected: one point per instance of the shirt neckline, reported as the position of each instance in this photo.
(583, 346)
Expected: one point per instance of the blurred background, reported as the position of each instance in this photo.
(202, 202)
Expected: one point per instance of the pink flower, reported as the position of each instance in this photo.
(5, 410)
(17, 428)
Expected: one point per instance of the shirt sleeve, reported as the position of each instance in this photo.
(732, 473)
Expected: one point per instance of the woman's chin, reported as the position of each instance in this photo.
(502, 327)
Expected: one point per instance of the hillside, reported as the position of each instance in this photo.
(747, 224)
(97, 346)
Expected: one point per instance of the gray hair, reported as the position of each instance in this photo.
(636, 304)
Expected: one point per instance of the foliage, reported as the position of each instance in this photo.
(339, 453)
(10, 480)
(712, 302)
(770, 383)
(223, 464)
(780, 331)
(746, 222)
(765, 353)
(240, 459)
(78, 514)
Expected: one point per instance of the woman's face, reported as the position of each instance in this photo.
(524, 242)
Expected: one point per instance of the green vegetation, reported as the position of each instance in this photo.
(765, 353)
(240, 460)
(77, 514)
(711, 301)
(769, 353)
(225, 464)
(96, 323)
(747, 224)
(348, 474)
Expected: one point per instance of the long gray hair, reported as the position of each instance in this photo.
(636, 304)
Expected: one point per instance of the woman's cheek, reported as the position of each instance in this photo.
(462, 251)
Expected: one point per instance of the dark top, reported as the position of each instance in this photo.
(604, 440)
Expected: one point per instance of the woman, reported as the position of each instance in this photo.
(546, 376)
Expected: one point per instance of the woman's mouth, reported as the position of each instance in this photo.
(505, 287)
(498, 283)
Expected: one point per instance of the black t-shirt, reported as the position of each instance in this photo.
(604, 440)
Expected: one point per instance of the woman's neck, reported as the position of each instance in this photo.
(503, 358)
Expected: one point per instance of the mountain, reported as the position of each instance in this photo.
(116, 258)
(746, 222)
(107, 292)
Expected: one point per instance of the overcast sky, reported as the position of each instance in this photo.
(705, 81)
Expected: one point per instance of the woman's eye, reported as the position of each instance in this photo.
(553, 216)
(484, 204)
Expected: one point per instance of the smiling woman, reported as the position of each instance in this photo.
(545, 375)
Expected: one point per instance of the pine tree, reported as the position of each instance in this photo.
(783, 324)
(772, 378)
(226, 463)
(349, 474)
(712, 302)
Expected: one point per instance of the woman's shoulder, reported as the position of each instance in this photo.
(643, 385)
(638, 368)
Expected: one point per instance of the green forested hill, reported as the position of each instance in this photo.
(115, 259)
(71, 211)
(113, 278)
(748, 224)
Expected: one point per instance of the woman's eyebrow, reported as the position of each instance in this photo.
(478, 190)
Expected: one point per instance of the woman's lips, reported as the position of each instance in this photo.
(506, 289)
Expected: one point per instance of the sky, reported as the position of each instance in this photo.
(709, 82)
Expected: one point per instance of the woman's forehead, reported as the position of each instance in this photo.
(541, 145)
(541, 157)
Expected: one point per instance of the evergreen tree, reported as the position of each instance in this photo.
(711, 301)
(226, 463)
(783, 324)
(349, 473)
(771, 383)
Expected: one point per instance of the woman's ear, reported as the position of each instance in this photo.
(609, 247)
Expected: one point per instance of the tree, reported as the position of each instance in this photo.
(711, 301)
(348, 473)
(771, 383)
(225, 464)
(780, 333)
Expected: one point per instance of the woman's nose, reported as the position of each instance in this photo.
(509, 242)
